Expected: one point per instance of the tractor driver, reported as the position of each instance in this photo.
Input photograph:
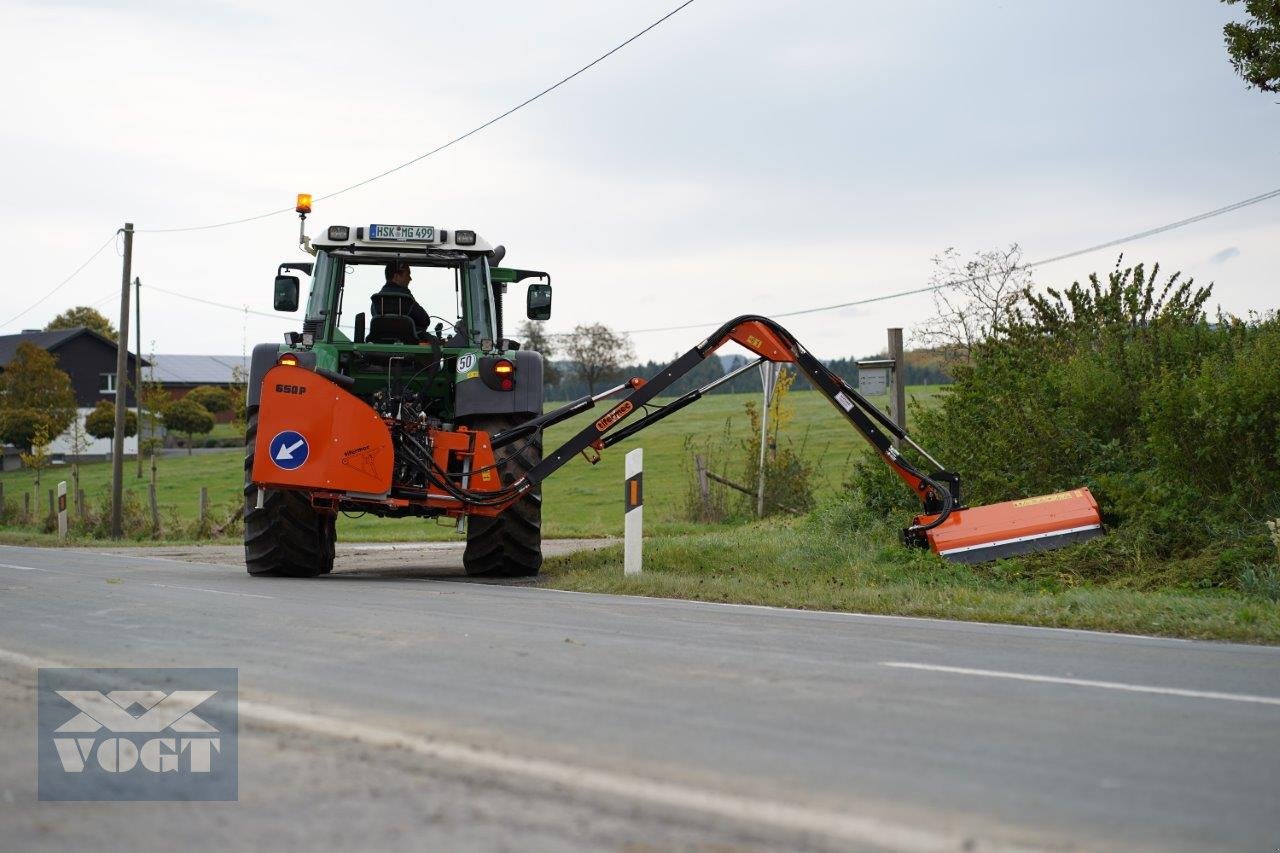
(395, 298)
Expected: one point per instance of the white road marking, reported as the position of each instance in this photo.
(1084, 682)
(864, 829)
(207, 589)
(21, 568)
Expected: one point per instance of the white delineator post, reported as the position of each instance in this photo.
(633, 520)
(62, 509)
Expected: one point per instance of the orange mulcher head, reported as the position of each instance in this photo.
(982, 533)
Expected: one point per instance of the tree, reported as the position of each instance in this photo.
(239, 395)
(101, 422)
(1254, 44)
(979, 293)
(597, 352)
(213, 398)
(83, 315)
(34, 394)
(38, 459)
(534, 338)
(155, 400)
(188, 417)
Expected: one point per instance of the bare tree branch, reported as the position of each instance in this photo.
(985, 287)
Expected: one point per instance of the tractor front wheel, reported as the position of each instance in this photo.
(508, 545)
(287, 536)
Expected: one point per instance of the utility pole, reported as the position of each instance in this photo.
(122, 386)
(137, 363)
(898, 394)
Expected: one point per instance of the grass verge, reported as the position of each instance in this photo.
(841, 559)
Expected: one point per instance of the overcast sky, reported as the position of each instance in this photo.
(743, 157)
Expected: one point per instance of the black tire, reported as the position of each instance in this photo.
(287, 537)
(508, 545)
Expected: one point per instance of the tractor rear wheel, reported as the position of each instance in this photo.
(287, 536)
(508, 545)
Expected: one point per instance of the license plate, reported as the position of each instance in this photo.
(407, 233)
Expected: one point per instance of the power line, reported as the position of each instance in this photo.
(601, 58)
(239, 309)
(1199, 217)
(61, 284)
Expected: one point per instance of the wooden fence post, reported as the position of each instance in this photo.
(26, 507)
(898, 393)
(52, 505)
(204, 509)
(151, 494)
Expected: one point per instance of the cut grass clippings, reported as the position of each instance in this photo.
(835, 560)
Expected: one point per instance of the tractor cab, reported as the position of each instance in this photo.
(439, 327)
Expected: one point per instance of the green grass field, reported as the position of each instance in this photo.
(580, 500)
(843, 558)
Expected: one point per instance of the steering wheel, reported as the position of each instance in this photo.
(453, 327)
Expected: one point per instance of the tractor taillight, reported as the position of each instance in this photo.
(506, 372)
(288, 359)
(497, 372)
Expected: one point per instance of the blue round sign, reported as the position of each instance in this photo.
(288, 450)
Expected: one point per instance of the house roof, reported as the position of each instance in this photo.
(45, 340)
(197, 369)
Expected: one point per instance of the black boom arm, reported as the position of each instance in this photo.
(939, 492)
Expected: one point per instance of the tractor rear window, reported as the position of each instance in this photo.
(435, 289)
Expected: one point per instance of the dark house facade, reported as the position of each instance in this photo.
(88, 357)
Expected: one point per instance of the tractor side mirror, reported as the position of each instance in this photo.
(286, 298)
(538, 302)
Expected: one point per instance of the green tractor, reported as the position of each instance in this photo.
(462, 372)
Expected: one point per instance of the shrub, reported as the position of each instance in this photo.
(189, 417)
(788, 476)
(101, 422)
(213, 398)
(1125, 386)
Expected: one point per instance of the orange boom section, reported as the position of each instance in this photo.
(981, 533)
(314, 435)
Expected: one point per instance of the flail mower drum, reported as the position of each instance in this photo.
(982, 533)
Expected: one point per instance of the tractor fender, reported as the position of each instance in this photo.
(263, 359)
(474, 397)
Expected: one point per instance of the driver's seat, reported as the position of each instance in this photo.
(391, 323)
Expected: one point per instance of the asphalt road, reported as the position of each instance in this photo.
(382, 708)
